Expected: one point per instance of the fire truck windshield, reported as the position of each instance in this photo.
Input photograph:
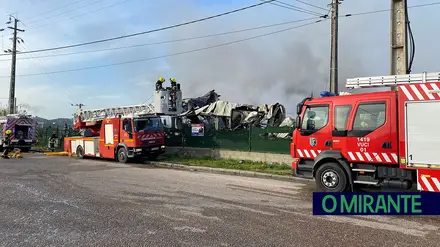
(147, 124)
(315, 118)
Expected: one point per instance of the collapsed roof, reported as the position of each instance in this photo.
(239, 115)
(194, 103)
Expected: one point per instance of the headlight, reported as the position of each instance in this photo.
(138, 150)
(162, 147)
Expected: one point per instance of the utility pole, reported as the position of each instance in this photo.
(334, 47)
(80, 105)
(15, 39)
(399, 53)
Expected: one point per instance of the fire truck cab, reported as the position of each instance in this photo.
(377, 139)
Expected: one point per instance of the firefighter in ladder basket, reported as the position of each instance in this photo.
(7, 144)
(173, 93)
(159, 84)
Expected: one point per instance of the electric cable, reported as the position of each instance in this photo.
(49, 76)
(172, 54)
(83, 14)
(149, 31)
(388, 10)
(412, 44)
(196, 21)
(168, 41)
(55, 9)
(312, 5)
(65, 12)
(294, 8)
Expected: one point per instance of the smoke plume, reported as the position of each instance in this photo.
(281, 68)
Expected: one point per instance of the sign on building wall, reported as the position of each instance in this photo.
(197, 130)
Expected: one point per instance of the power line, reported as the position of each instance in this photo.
(149, 31)
(55, 9)
(41, 65)
(387, 10)
(65, 12)
(311, 5)
(296, 7)
(292, 7)
(203, 19)
(175, 54)
(76, 16)
(172, 41)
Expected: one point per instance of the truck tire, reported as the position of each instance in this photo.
(80, 152)
(331, 177)
(122, 155)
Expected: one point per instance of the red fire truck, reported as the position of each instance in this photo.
(120, 133)
(386, 138)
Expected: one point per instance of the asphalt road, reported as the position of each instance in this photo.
(56, 201)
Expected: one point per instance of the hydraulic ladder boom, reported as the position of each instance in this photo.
(392, 80)
(100, 114)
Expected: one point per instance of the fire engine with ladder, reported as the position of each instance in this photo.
(125, 133)
(380, 139)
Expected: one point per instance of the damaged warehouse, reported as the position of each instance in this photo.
(231, 125)
(208, 109)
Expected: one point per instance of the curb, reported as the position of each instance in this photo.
(229, 171)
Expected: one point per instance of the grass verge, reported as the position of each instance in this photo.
(277, 169)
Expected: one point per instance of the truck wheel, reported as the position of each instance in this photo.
(331, 177)
(80, 152)
(122, 155)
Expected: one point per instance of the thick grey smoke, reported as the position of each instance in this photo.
(281, 68)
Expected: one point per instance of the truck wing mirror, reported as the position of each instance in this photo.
(299, 108)
(298, 122)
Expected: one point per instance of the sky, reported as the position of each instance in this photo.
(280, 68)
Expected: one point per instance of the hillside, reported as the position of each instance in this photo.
(54, 122)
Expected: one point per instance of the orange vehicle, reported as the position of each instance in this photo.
(121, 133)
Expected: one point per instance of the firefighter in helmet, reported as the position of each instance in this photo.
(173, 83)
(6, 144)
(52, 141)
(159, 84)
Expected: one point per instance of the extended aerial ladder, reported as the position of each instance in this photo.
(95, 115)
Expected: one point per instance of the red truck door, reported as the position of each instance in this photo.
(372, 130)
(341, 114)
(315, 132)
(107, 141)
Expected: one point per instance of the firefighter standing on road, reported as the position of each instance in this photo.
(52, 141)
(7, 144)
(159, 83)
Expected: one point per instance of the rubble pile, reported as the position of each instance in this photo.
(223, 115)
